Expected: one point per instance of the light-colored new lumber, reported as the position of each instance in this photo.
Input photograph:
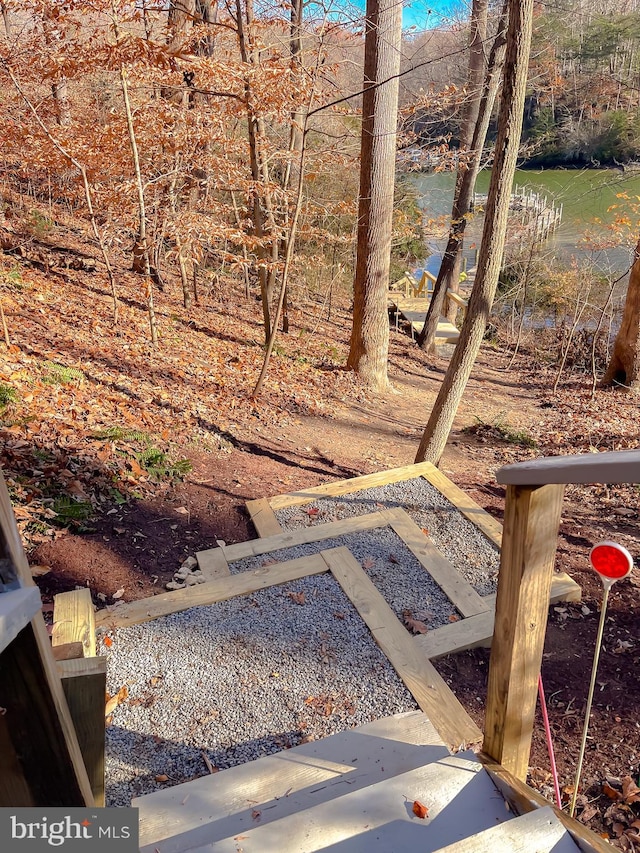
(615, 466)
(263, 517)
(459, 636)
(84, 682)
(465, 504)
(304, 536)
(457, 589)
(17, 608)
(428, 688)
(74, 621)
(531, 833)
(287, 782)
(210, 592)
(347, 487)
(212, 564)
(524, 799)
(532, 520)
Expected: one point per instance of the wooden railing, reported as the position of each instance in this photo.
(532, 518)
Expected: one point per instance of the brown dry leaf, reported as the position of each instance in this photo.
(161, 777)
(38, 571)
(630, 791)
(414, 625)
(425, 531)
(610, 792)
(118, 593)
(368, 563)
(256, 815)
(393, 559)
(420, 810)
(297, 597)
(112, 702)
(454, 617)
(587, 813)
(312, 511)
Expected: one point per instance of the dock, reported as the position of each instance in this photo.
(409, 300)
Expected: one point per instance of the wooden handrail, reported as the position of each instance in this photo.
(616, 466)
(533, 507)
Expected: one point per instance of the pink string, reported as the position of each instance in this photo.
(547, 731)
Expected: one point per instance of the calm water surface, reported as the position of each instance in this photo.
(586, 196)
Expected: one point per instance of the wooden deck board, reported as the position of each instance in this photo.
(287, 781)
(210, 592)
(426, 685)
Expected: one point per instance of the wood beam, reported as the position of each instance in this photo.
(532, 520)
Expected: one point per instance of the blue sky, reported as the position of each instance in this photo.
(424, 15)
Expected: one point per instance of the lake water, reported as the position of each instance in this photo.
(586, 196)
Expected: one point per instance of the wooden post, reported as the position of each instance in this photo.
(84, 684)
(84, 679)
(532, 519)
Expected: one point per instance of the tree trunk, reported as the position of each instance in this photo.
(478, 123)
(624, 367)
(435, 436)
(6, 17)
(370, 332)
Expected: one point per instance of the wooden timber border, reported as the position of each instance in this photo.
(476, 629)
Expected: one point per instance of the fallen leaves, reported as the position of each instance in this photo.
(420, 810)
(297, 597)
(416, 626)
(112, 702)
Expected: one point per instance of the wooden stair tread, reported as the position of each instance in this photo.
(289, 780)
(377, 818)
(535, 832)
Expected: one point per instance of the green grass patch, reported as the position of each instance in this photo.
(8, 395)
(502, 431)
(60, 374)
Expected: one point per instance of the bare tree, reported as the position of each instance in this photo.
(483, 85)
(369, 347)
(434, 439)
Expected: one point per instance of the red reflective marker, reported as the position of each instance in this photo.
(610, 560)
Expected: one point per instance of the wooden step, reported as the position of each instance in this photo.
(278, 785)
(537, 832)
(378, 818)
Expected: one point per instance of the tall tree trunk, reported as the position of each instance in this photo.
(368, 353)
(478, 115)
(435, 436)
(623, 370)
(6, 18)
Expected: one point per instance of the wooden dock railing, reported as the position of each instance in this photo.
(532, 518)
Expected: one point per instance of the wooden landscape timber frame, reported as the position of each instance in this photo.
(476, 629)
(409, 655)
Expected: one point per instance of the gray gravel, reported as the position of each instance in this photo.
(396, 573)
(475, 557)
(249, 677)
(240, 679)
